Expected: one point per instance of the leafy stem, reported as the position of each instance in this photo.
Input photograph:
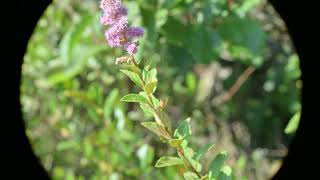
(180, 152)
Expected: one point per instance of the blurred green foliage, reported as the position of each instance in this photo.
(71, 88)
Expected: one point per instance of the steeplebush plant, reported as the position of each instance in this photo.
(120, 34)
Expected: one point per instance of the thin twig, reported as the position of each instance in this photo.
(235, 88)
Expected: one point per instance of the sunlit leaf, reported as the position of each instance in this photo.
(216, 165)
(293, 123)
(134, 77)
(156, 128)
(134, 98)
(168, 161)
(225, 173)
(151, 87)
(176, 142)
(184, 129)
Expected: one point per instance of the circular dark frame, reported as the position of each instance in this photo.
(23, 163)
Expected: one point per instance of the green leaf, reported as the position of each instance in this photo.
(109, 103)
(225, 173)
(134, 98)
(216, 164)
(168, 161)
(196, 164)
(134, 77)
(151, 75)
(190, 176)
(156, 128)
(184, 129)
(176, 142)
(151, 87)
(293, 123)
(191, 82)
(204, 150)
(188, 152)
(147, 109)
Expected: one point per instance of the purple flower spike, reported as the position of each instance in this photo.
(116, 34)
(135, 32)
(110, 5)
(111, 19)
(120, 34)
(132, 48)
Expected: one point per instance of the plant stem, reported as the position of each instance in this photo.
(188, 164)
(135, 62)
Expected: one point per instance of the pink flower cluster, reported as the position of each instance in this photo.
(119, 34)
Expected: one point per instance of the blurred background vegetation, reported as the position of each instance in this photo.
(228, 64)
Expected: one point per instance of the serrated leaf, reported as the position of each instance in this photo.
(134, 77)
(151, 87)
(168, 161)
(204, 150)
(216, 164)
(184, 129)
(190, 176)
(156, 128)
(293, 123)
(134, 98)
